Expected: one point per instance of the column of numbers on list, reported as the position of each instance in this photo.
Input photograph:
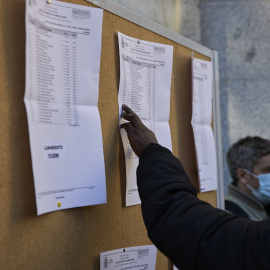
(69, 75)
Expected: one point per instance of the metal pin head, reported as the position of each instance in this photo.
(48, 1)
(138, 41)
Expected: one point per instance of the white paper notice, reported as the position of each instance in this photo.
(135, 258)
(63, 46)
(201, 123)
(145, 84)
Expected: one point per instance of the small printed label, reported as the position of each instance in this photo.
(54, 150)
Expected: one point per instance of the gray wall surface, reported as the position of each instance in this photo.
(240, 32)
(181, 16)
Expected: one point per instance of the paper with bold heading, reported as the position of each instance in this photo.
(135, 258)
(201, 124)
(145, 84)
(63, 46)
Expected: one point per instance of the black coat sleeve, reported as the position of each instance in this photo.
(235, 209)
(192, 233)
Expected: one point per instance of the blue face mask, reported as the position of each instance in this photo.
(263, 192)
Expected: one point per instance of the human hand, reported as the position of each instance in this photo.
(138, 134)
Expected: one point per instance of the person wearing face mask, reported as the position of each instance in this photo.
(249, 193)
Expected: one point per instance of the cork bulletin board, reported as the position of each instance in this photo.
(74, 238)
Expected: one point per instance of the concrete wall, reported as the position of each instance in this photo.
(240, 32)
(181, 16)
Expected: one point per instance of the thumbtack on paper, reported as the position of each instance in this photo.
(48, 1)
(59, 204)
(138, 41)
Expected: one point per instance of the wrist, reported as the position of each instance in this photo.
(153, 148)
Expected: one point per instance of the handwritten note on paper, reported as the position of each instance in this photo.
(63, 46)
(201, 124)
(136, 258)
(145, 83)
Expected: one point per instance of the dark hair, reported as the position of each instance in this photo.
(245, 154)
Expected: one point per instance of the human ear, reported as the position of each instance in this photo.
(242, 176)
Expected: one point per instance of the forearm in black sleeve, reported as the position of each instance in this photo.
(192, 233)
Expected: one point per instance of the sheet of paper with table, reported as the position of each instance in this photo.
(145, 83)
(136, 258)
(63, 46)
(201, 124)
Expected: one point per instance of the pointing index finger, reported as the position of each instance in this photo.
(127, 109)
(131, 116)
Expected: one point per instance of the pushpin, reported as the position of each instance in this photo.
(138, 41)
(59, 204)
(48, 1)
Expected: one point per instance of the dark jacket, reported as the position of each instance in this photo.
(192, 233)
